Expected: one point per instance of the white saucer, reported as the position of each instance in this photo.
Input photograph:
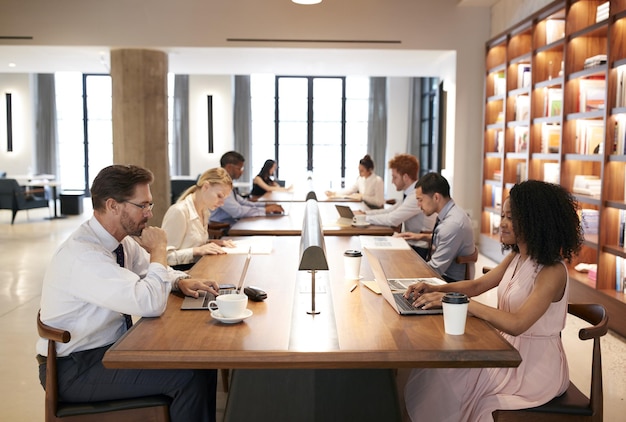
(360, 225)
(216, 315)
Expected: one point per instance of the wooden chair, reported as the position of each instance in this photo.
(141, 409)
(14, 198)
(468, 260)
(217, 230)
(573, 405)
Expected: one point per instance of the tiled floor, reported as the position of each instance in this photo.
(25, 249)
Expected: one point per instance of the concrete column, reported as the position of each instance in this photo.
(139, 80)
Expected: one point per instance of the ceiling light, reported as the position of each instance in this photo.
(307, 1)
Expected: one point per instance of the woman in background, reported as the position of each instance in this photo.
(368, 187)
(186, 221)
(541, 228)
(264, 181)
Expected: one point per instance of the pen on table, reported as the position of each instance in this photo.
(352, 288)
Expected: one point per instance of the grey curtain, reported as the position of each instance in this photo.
(180, 159)
(46, 136)
(243, 122)
(377, 125)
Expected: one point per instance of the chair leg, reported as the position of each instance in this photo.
(14, 214)
(225, 373)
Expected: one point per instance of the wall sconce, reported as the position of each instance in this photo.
(209, 106)
(9, 122)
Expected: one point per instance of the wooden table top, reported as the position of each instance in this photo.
(291, 224)
(355, 329)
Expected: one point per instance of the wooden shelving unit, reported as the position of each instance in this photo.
(551, 116)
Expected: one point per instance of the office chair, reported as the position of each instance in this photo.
(468, 260)
(572, 405)
(140, 409)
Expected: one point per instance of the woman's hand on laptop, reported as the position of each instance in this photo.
(190, 286)
(424, 295)
(208, 249)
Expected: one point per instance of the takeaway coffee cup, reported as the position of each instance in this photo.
(352, 264)
(359, 220)
(454, 312)
(230, 306)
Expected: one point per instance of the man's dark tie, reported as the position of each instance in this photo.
(432, 241)
(119, 255)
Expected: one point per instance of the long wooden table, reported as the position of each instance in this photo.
(291, 365)
(291, 224)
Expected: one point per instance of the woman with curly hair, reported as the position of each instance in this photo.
(541, 228)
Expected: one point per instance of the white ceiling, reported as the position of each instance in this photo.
(54, 27)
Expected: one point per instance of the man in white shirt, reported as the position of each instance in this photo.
(404, 171)
(235, 206)
(111, 267)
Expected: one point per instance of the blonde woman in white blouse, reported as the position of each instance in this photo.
(186, 221)
(368, 187)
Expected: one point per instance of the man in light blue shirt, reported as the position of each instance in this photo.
(235, 206)
(452, 236)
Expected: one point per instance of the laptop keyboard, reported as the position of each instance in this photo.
(404, 303)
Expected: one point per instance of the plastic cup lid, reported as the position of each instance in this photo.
(352, 252)
(455, 297)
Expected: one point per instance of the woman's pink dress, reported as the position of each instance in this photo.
(472, 394)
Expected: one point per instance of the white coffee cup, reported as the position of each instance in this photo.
(352, 264)
(230, 306)
(359, 220)
(454, 312)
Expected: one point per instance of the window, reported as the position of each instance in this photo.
(427, 126)
(84, 127)
(310, 125)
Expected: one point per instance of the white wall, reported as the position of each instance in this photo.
(21, 160)
(220, 87)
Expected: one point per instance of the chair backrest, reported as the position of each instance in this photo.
(596, 315)
(468, 260)
(150, 408)
(52, 394)
(8, 191)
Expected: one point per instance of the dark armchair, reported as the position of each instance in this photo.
(13, 197)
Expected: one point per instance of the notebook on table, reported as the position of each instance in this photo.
(204, 297)
(393, 289)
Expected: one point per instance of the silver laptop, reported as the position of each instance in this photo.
(345, 215)
(204, 297)
(393, 289)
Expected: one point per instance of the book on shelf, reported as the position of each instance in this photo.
(620, 274)
(593, 61)
(619, 137)
(550, 138)
(551, 173)
(499, 136)
(499, 84)
(621, 227)
(496, 197)
(522, 107)
(602, 11)
(523, 75)
(589, 219)
(521, 138)
(587, 185)
(592, 94)
(521, 172)
(554, 102)
(620, 99)
(555, 30)
(589, 136)
(494, 222)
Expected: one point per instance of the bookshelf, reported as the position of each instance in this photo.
(555, 110)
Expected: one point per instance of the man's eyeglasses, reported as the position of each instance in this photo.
(143, 207)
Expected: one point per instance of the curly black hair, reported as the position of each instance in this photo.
(545, 216)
